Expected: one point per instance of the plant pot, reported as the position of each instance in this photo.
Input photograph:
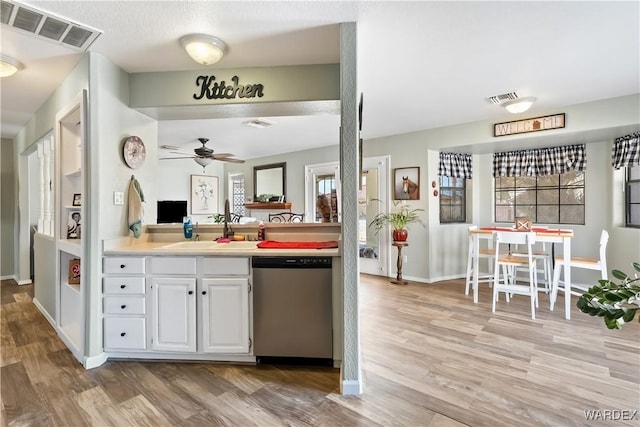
(400, 235)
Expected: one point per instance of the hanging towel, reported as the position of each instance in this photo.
(136, 209)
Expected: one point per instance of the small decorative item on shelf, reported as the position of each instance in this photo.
(77, 199)
(398, 220)
(74, 271)
(74, 225)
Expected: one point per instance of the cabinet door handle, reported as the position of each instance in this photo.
(204, 292)
(123, 306)
(123, 334)
(190, 292)
(122, 265)
(123, 286)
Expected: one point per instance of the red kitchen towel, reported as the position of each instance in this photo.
(274, 244)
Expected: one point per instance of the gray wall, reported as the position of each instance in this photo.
(8, 209)
(437, 252)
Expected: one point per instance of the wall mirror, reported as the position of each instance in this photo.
(269, 180)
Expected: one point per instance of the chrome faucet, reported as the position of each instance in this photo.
(227, 219)
(196, 236)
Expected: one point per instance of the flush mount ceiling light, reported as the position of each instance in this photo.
(512, 102)
(519, 105)
(203, 48)
(9, 66)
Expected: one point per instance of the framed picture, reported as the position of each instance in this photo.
(406, 183)
(204, 194)
(77, 199)
(74, 225)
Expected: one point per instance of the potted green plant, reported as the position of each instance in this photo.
(616, 303)
(399, 220)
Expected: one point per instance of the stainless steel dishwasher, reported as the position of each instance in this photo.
(292, 309)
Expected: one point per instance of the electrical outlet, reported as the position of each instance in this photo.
(404, 258)
(118, 198)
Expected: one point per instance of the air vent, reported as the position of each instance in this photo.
(500, 99)
(27, 20)
(258, 123)
(5, 12)
(53, 28)
(47, 26)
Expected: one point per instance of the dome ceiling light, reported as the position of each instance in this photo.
(519, 105)
(9, 66)
(203, 48)
(512, 102)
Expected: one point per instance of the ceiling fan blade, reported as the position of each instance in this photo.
(229, 159)
(184, 154)
(220, 155)
(174, 158)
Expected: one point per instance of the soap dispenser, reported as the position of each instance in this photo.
(187, 227)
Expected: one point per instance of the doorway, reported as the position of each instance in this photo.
(372, 199)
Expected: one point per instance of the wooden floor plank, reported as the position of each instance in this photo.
(430, 357)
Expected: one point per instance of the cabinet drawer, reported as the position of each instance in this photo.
(225, 266)
(172, 265)
(123, 265)
(124, 305)
(125, 333)
(123, 285)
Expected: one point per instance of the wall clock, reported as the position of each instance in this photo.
(134, 152)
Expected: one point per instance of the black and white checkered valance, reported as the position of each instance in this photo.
(456, 165)
(626, 151)
(540, 162)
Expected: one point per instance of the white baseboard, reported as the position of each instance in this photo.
(95, 361)
(24, 282)
(44, 313)
(9, 277)
(351, 388)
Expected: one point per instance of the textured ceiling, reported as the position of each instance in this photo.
(421, 65)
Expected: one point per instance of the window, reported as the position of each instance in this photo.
(549, 199)
(238, 194)
(633, 197)
(452, 199)
(326, 187)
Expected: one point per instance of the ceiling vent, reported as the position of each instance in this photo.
(501, 99)
(47, 26)
(258, 123)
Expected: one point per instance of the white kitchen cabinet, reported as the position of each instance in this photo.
(225, 315)
(177, 307)
(124, 303)
(173, 313)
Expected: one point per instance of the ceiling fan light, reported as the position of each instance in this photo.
(202, 161)
(519, 105)
(9, 66)
(203, 48)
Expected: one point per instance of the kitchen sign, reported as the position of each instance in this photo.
(536, 124)
(210, 89)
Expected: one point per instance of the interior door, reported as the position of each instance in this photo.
(373, 247)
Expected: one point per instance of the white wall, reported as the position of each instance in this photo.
(173, 182)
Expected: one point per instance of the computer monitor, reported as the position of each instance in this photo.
(171, 211)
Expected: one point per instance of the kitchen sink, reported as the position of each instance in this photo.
(210, 245)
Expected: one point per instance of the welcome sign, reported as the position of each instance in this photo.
(536, 124)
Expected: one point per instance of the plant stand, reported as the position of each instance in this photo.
(398, 280)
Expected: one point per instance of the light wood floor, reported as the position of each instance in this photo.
(430, 357)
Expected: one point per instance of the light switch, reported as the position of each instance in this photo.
(118, 198)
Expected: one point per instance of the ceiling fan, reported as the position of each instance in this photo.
(204, 155)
